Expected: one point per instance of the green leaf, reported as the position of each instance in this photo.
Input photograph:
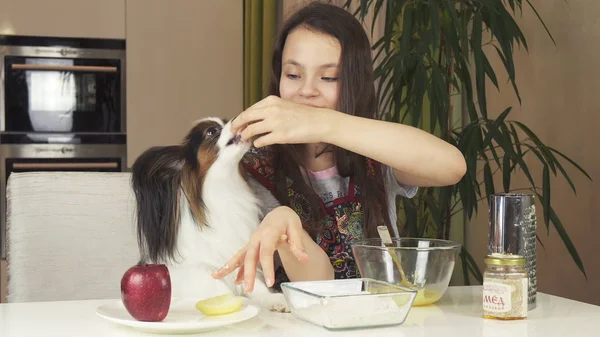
(506, 56)
(502, 137)
(465, 267)
(510, 70)
(419, 92)
(546, 191)
(476, 32)
(435, 24)
(536, 140)
(565, 238)
(407, 31)
(467, 199)
(453, 16)
(462, 71)
(571, 161)
(512, 4)
(411, 217)
(542, 21)
(489, 181)
(518, 158)
(364, 7)
(540, 241)
(472, 265)
(490, 71)
(444, 201)
(540, 148)
(489, 145)
(439, 101)
(525, 168)
(535, 151)
(506, 170)
(375, 14)
(435, 210)
(503, 115)
(565, 175)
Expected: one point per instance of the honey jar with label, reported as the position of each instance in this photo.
(505, 286)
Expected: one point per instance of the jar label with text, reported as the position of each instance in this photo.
(497, 297)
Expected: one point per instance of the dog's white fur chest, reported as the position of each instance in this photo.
(232, 214)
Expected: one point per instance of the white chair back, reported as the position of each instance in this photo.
(70, 235)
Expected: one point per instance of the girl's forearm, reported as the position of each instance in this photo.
(417, 157)
(317, 267)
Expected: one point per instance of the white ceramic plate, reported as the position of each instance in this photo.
(183, 317)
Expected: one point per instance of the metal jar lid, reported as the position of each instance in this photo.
(505, 260)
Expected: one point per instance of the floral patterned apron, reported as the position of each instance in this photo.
(343, 222)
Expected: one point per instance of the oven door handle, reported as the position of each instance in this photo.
(82, 165)
(64, 68)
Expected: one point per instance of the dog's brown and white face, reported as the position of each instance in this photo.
(210, 140)
(209, 148)
(209, 145)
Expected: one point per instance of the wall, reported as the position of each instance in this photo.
(558, 85)
(184, 62)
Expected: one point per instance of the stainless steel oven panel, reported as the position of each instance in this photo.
(64, 52)
(32, 151)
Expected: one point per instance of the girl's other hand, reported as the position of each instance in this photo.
(278, 121)
(281, 226)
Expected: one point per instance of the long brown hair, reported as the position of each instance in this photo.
(356, 97)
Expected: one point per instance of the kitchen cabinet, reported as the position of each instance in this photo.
(63, 18)
(184, 62)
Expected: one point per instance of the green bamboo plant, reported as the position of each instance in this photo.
(428, 56)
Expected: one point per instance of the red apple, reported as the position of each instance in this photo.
(146, 292)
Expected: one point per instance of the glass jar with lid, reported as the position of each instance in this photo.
(505, 285)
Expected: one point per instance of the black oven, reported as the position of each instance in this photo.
(62, 90)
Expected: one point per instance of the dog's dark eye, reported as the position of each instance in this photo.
(211, 131)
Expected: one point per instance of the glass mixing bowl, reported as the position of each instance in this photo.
(425, 265)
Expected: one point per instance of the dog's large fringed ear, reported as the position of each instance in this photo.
(156, 178)
(192, 188)
(192, 175)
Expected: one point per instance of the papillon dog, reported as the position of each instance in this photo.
(195, 210)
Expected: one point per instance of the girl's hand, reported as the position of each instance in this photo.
(281, 226)
(283, 122)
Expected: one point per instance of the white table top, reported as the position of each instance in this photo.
(457, 314)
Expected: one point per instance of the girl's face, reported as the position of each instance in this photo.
(310, 69)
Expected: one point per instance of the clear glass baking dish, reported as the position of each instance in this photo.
(349, 304)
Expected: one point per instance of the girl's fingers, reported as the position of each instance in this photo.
(258, 128)
(296, 243)
(240, 275)
(268, 139)
(266, 102)
(268, 246)
(248, 116)
(250, 263)
(231, 265)
(266, 261)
